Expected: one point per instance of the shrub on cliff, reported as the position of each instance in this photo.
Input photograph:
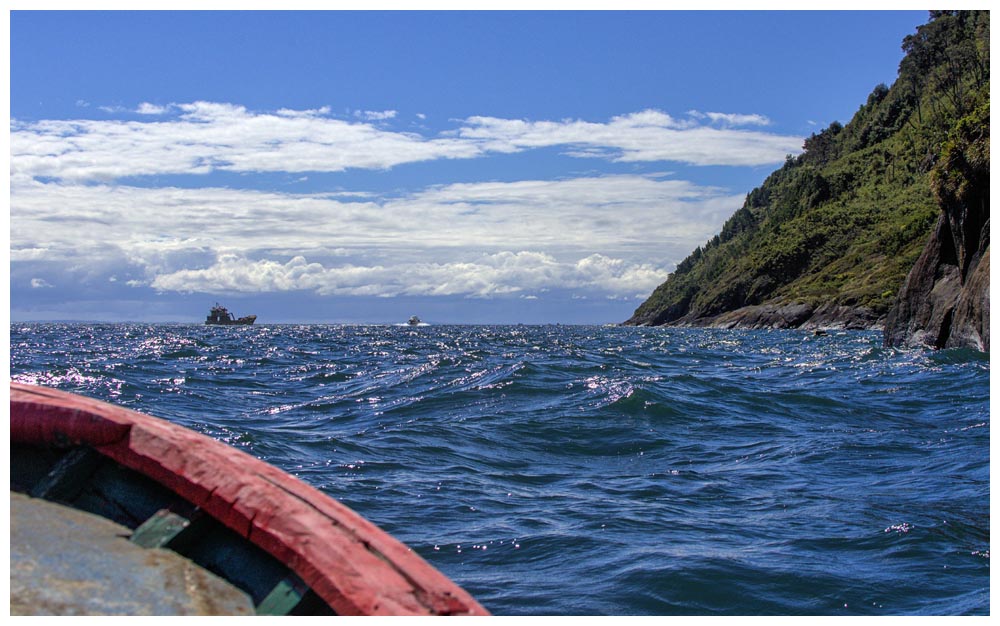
(843, 223)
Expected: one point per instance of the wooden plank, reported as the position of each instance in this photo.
(160, 529)
(285, 596)
(69, 475)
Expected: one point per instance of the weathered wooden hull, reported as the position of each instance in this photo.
(293, 549)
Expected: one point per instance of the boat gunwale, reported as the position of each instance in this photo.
(349, 562)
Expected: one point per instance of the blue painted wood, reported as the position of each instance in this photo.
(67, 478)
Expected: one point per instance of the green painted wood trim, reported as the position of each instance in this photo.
(160, 529)
(284, 597)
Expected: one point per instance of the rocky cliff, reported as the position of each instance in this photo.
(838, 236)
(945, 301)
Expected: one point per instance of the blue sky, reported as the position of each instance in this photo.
(467, 167)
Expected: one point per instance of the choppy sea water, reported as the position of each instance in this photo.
(566, 470)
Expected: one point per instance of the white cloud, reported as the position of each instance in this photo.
(147, 108)
(40, 283)
(375, 115)
(644, 136)
(203, 111)
(592, 232)
(28, 254)
(594, 214)
(212, 136)
(485, 276)
(305, 113)
(202, 137)
(606, 236)
(739, 119)
(733, 119)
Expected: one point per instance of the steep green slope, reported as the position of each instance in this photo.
(840, 226)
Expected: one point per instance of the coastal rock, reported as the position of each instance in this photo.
(826, 316)
(934, 308)
(923, 310)
(945, 301)
(971, 324)
(765, 316)
(831, 316)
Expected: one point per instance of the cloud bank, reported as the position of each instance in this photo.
(488, 275)
(475, 239)
(645, 136)
(202, 137)
(87, 208)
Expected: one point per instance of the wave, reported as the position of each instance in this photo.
(584, 470)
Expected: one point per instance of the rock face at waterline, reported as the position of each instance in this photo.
(945, 301)
(798, 315)
(838, 236)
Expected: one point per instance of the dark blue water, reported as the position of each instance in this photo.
(589, 470)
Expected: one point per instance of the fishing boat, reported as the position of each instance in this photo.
(413, 321)
(291, 549)
(220, 315)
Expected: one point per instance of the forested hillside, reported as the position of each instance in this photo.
(828, 239)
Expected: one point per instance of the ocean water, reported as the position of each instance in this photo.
(573, 470)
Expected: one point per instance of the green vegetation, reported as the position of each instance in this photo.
(843, 222)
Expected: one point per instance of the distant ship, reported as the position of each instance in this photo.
(414, 321)
(221, 315)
